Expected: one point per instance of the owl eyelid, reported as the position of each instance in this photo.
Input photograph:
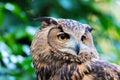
(61, 33)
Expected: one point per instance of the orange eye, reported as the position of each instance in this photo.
(63, 36)
(84, 39)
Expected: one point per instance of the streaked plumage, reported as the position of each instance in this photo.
(63, 49)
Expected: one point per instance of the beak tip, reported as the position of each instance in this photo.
(77, 49)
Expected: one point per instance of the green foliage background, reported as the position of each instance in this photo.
(17, 29)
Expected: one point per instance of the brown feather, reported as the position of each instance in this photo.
(53, 64)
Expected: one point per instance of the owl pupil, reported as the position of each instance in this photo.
(62, 36)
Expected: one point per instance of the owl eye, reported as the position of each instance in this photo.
(63, 36)
(84, 39)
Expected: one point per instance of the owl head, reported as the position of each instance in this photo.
(63, 37)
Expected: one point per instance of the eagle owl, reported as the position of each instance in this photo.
(63, 49)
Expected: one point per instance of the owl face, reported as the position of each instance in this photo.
(69, 42)
(68, 36)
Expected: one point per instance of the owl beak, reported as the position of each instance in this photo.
(77, 48)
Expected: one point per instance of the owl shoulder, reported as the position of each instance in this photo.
(93, 70)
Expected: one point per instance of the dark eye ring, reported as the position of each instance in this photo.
(63, 36)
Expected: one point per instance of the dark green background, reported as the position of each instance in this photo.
(17, 29)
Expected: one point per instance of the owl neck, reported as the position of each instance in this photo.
(69, 58)
(54, 57)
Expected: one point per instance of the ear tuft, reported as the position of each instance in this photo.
(89, 29)
(47, 21)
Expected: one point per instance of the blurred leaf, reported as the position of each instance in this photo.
(15, 9)
(17, 29)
